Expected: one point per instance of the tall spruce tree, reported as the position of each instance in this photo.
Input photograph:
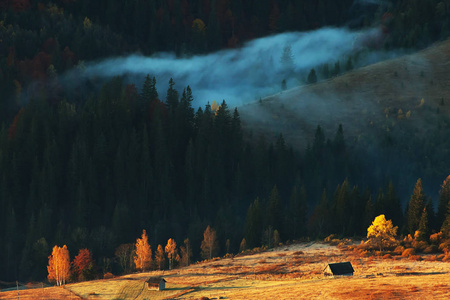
(253, 224)
(415, 208)
(423, 230)
(444, 201)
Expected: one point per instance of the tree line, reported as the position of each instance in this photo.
(46, 38)
(92, 174)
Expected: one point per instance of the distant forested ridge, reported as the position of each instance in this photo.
(41, 39)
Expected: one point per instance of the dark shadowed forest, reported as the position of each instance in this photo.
(91, 167)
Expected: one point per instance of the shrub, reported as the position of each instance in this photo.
(431, 249)
(108, 275)
(415, 257)
(432, 258)
(408, 252)
(445, 246)
(420, 245)
(364, 253)
(329, 238)
(399, 250)
(436, 238)
(387, 256)
(407, 241)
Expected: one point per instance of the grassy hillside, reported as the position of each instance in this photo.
(365, 101)
(286, 272)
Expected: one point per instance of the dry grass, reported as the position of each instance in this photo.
(364, 100)
(54, 293)
(294, 272)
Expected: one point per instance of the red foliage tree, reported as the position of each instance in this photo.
(82, 263)
(20, 5)
(13, 127)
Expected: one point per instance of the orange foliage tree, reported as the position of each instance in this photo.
(82, 264)
(143, 257)
(159, 257)
(59, 265)
(171, 250)
(209, 244)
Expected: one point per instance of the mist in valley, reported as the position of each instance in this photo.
(249, 73)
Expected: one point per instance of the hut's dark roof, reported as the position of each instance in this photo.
(341, 268)
(155, 280)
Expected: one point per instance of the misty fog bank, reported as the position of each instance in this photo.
(249, 73)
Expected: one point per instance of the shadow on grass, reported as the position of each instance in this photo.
(177, 289)
(419, 273)
(212, 288)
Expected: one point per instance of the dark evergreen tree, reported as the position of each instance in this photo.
(254, 224)
(444, 202)
(296, 214)
(423, 229)
(446, 225)
(312, 77)
(415, 208)
(172, 97)
(274, 212)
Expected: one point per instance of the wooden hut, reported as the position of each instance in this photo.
(156, 283)
(339, 269)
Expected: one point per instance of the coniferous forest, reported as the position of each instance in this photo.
(92, 166)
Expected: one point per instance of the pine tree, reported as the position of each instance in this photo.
(172, 97)
(446, 224)
(213, 29)
(349, 65)
(253, 224)
(146, 89)
(312, 77)
(423, 232)
(342, 208)
(297, 212)
(415, 208)
(393, 206)
(337, 68)
(444, 201)
(274, 213)
(149, 92)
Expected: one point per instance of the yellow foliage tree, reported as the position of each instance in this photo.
(171, 250)
(199, 25)
(381, 233)
(214, 106)
(143, 257)
(59, 265)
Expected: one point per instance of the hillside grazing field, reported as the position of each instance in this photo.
(287, 272)
(363, 100)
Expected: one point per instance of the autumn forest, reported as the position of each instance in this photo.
(117, 176)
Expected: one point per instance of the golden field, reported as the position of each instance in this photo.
(287, 272)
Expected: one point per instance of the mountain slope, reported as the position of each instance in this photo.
(406, 93)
